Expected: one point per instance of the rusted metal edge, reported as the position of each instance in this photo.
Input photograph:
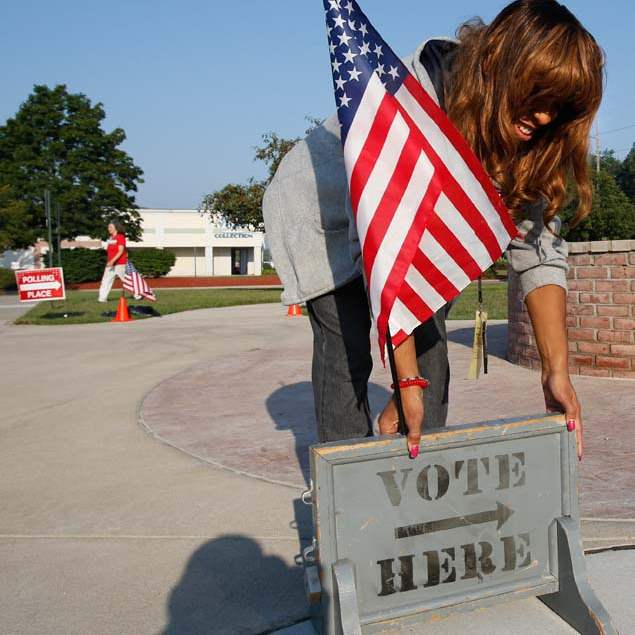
(447, 435)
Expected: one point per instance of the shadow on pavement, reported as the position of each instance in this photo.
(291, 408)
(496, 338)
(230, 586)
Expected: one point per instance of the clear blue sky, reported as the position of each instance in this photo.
(195, 83)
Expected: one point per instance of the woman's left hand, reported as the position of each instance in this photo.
(412, 401)
(560, 396)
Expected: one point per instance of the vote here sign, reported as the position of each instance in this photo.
(40, 284)
(472, 518)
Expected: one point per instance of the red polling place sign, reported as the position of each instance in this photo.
(40, 284)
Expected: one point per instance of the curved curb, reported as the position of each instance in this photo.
(217, 464)
(606, 534)
(600, 534)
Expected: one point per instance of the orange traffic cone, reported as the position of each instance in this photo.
(294, 311)
(122, 311)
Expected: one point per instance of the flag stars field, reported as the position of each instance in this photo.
(356, 50)
(349, 56)
(354, 74)
(344, 101)
(364, 49)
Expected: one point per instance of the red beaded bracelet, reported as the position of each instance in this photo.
(412, 381)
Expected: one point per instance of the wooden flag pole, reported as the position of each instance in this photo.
(403, 430)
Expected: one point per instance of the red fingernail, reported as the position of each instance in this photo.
(414, 451)
(571, 425)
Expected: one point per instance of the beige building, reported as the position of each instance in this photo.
(201, 247)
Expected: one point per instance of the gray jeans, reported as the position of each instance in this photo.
(342, 363)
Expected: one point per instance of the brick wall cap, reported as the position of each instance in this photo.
(622, 245)
(579, 248)
(601, 246)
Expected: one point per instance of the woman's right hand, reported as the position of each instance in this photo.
(412, 401)
(560, 396)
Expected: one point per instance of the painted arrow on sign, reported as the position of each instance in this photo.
(39, 286)
(501, 514)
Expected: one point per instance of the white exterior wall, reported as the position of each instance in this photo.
(183, 230)
(222, 261)
(187, 263)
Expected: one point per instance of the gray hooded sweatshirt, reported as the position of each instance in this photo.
(309, 223)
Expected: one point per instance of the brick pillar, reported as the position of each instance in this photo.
(600, 312)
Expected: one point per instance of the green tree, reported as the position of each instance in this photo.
(12, 217)
(273, 147)
(626, 175)
(612, 217)
(238, 205)
(609, 163)
(56, 142)
(241, 205)
(272, 151)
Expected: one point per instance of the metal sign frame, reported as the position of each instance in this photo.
(341, 604)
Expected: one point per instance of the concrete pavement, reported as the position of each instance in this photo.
(106, 530)
(103, 530)
(610, 574)
(11, 309)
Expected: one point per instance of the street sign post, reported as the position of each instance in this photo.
(487, 513)
(35, 285)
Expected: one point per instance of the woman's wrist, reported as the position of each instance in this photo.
(555, 364)
(416, 381)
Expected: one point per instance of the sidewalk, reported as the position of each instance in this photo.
(107, 530)
(11, 308)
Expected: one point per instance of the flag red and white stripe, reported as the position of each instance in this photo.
(134, 282)
(428, 217)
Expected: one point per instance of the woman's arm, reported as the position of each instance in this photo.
(411, 398)
(547, 308)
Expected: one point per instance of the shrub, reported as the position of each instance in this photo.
(612, 217)
(83, 265)
(152, 262)
(7, 280)
(87, 265)
(498, 271)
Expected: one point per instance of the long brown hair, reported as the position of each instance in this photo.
(534, 57)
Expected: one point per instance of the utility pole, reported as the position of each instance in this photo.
(597, 147)
(49, 224)
(58, 221)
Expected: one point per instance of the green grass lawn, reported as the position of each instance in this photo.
(81, 307)
(494, 302)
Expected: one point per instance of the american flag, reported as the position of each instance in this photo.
(134, 282)
(428, 217)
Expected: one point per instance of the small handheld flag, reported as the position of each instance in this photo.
(428, 217)
(134, 282)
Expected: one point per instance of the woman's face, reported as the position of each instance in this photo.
(111, 229)
(527, 125)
